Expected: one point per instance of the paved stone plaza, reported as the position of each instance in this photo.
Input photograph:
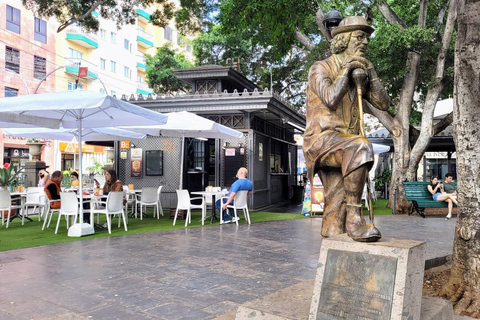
(193, 273)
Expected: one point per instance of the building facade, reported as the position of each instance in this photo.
(268, 148)
(34, 58)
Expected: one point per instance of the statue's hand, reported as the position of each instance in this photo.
(352, 63)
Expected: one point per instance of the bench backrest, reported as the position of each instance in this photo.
(417, 190)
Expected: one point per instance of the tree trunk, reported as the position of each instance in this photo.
(399, 172)
(463, 287)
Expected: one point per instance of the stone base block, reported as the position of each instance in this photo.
(436, 309)
(381, 280)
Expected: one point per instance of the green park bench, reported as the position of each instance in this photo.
(420, 197)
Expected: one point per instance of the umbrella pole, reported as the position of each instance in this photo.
(81, 228)
(182, 159)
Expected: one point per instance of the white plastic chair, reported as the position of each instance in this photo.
(159, 192)
(149, 198)
(68, 208)
(113, 206)
(239, 202)
(6, 205)
(35, 199)
(49, 212)
(130, 201)
(185, 203)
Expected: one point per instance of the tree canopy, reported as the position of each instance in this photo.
(188, 16)
(159, 70)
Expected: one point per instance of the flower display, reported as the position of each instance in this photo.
(8, 174)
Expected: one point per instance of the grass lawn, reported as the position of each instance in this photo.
(31, 234)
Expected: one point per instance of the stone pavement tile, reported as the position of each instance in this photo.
(192, 273)
(179, 310)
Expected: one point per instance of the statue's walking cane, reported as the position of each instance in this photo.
(359, 76)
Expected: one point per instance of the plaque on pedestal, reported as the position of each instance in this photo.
(358, 280)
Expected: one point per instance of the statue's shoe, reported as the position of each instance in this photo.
(365, 233)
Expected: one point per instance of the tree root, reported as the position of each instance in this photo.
(465, 300)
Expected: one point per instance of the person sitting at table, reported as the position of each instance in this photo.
(43, 177)
(75, 181)
(241, 184)
(111, 182)
(53, 189)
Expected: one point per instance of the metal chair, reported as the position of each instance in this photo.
(239, 202)
(68, 208)
(113, 206)
(185, 203)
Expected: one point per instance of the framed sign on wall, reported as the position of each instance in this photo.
(154, 163)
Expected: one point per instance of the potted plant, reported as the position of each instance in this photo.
(380, 182)
(35, 148)
(8, 175)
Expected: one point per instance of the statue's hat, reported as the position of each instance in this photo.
(352, 23)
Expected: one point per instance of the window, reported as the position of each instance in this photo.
(126, 44)
(278, 157)
(168, 33)
(39, 67)
(40, 30)
(12, 59)
(126, 72)
(10, 92)
(103, 34)
(75, 56)
(112, 93)
(179, 39)
(102, 91)
(13, 19)
(113, 66)
(102, 63)
(113, 37)
(140, 79)
(71, 85)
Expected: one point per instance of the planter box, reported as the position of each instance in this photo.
(180, 216)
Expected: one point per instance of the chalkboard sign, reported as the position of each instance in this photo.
(154, 163)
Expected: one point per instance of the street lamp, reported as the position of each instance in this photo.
(332, 19)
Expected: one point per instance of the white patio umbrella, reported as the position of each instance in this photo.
(185, 124)
(380, 148)
(100, 134)
(75, 109)
(93, 134)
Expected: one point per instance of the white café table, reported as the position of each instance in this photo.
(210, 195)
(22, 196)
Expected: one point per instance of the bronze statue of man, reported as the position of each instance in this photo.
(332, 145)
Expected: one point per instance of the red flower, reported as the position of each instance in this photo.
(6, 165)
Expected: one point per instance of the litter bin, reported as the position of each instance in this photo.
(297, 194)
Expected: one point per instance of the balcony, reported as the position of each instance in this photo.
(144, 39)
(143, 88)
(141, 64)
(81, 37)
(143, 15)
(72, 67)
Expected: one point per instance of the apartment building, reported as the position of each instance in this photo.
(34, 58)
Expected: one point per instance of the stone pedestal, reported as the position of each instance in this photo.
(31, 171)
(380, 280)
